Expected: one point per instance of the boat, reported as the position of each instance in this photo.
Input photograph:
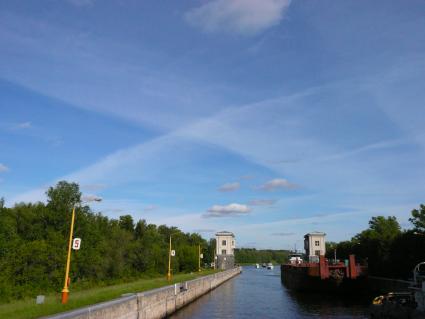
(320, 274)
(264, 265)
(257, 266)
(270, 266)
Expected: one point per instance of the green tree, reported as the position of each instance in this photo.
(126, 222)
(418, 218)
(64, 195)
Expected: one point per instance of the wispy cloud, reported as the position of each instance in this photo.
(203, 230)
(24, 125)
(246, 177)
(81, 3)
(149, 208)
(93, 187)
(229, 187)
(227, 210)
(261, 202)
(283, 234)
(245, 17)
(91, 198)
(277, 183)
(3, 168)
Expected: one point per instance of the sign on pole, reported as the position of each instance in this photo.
(201, 256)
(76, 243)
(173, 253)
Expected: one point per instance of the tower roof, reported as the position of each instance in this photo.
(224, 233)
(315, 233)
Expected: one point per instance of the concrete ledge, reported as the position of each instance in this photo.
(152, 304)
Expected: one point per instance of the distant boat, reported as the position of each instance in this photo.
(257, 266)
(264, 265)
(270, 266)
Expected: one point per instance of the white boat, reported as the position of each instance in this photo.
(270, 266)
(257, 266)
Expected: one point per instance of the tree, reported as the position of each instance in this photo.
(64, 195)
(375, 242)
(126, 223)
(418, 218)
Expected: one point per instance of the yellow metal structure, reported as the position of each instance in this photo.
(199, 257)
(169, 262)
(65, 290)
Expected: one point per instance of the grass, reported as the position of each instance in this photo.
(27, 308)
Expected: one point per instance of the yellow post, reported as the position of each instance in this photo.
(65, 290)
(169, 262)
(199, 257)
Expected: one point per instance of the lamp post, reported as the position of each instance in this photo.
(169, 262)
(65, 290)
(199, 257)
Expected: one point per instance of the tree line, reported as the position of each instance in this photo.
(34, 240)
(388, 250)
(254, 256)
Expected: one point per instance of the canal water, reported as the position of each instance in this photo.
(258, 293)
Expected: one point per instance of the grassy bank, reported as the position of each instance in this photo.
(27, 308)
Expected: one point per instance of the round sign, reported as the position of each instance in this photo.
(173, 253)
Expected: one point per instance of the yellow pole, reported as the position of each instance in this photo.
(65, 290)
(169, 262)
(199, 257)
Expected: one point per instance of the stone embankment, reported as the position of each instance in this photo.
(152, 304)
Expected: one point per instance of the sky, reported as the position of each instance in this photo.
(267, 118)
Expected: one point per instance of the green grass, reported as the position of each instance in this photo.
(27, 308)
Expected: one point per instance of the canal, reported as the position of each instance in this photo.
(258, 293)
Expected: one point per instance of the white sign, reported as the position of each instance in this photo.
(76, 243)
(201, 256)
(173, 253)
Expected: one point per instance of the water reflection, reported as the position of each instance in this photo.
(258, 293)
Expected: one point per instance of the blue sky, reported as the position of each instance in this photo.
(268, 118)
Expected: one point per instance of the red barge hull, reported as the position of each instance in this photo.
(325, 277)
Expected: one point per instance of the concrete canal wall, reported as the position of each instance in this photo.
(152, 304)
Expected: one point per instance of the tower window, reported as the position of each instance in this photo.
(223, 243)
(317, 243)
(223, 251)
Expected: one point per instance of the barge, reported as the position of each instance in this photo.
(324, 276)
(320, 274)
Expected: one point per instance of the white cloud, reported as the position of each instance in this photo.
(262, 202)
(90, 198)
(24, 125)
(149, 208)
(229, 187)
(283, 234)
(3, 168)
(277, 183)
(245, 17)
(81, 3)
(227, 210)
(94, 187)
(203, 230)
